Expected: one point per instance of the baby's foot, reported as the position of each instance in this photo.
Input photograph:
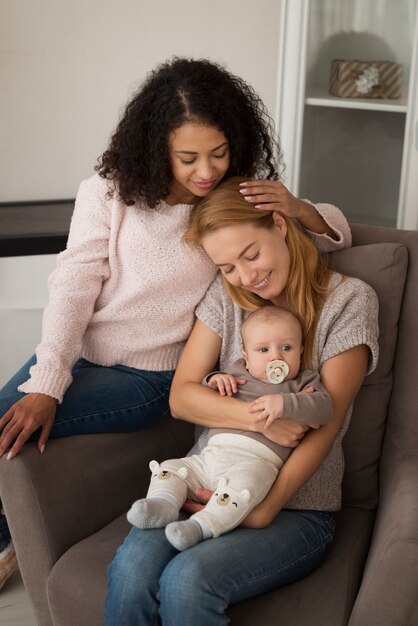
(183, 535)
(152, 513)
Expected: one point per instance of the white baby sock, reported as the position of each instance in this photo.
(183, 535)
(154, 512)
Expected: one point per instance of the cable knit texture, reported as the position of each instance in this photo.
(125, 289)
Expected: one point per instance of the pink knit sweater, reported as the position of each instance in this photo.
(125, 289)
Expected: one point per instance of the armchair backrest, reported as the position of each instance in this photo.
(387, 259)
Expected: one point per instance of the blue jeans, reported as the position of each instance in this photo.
(151, 583)
(99, 400)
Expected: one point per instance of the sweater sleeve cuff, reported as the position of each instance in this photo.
(356, 337)
(48, 383)
(335, 219)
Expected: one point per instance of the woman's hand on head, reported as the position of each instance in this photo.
(33, 411)
(272, 195)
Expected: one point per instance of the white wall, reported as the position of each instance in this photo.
(67, 67)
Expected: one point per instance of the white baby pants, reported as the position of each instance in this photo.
(239, 469)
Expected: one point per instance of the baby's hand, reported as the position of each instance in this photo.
(268, 408)
(226, 384)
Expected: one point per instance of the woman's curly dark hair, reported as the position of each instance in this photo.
(181, 90)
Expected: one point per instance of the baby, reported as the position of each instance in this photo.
(240, 466)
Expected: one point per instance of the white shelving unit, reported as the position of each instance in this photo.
(358, 153)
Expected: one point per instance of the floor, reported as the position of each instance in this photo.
(15, 608)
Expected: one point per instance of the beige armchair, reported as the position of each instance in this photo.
(67, 509)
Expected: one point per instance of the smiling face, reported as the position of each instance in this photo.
(252, 257)
(271, 338)
(199, 158)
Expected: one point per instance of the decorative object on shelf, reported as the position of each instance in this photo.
(365, 79)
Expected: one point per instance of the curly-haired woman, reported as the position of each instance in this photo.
(123, 294)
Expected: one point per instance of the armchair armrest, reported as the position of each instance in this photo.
(98, 476)
(389, 591)
(77, 487)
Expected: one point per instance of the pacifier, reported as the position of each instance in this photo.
(277, 371)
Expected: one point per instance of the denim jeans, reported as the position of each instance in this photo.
(99, 400)
(151, 583)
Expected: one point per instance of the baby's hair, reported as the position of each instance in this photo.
(268, 313)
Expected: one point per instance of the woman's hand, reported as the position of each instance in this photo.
(272, 195)
(33, 411)
(191, 506)
(285, 432)
(259, 517)
(267, 409)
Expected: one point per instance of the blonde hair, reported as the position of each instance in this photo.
(309, 274)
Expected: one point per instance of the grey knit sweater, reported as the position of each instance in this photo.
(348, 319)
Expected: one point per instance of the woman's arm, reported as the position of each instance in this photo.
(319, 220)
(194, 402)
(342, 376)
(74, 286)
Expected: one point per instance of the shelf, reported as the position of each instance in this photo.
(318, 96)
(28, 228)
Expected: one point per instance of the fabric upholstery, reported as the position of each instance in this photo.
(78, 486)
(384, 267)
(389, 589)
(77, 582)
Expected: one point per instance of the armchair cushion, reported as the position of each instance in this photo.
(384, 267)
(77, 583)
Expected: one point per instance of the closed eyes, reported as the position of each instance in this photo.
(213, 156)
